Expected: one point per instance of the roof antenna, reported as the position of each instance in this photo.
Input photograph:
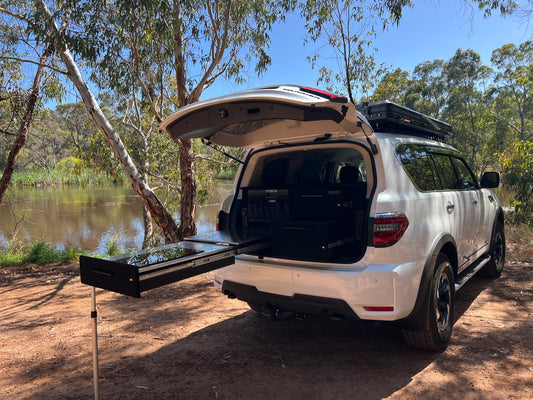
(373, 146)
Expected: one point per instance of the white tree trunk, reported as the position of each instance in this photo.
(158, 211)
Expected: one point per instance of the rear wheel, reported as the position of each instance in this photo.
(256, 307)
(438, 312)
(494, 267)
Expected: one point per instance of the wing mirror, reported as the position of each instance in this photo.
(490, 180)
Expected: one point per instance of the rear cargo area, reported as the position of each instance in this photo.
(310, 201)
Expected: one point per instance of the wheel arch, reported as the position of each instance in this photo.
(446, 244)
(499, 218)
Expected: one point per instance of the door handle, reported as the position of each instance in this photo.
(450, 207)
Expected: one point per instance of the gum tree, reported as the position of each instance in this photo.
(513, 87)
(165, 53)
(23, 67)
(162, 55)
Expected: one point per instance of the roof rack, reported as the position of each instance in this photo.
(388, 117)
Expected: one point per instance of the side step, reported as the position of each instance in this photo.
(471, 271)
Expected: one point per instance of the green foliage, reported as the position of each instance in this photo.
(39, 253)
(512, 92)
(226, 174)
(393, 86)
(10, 258)
(71, 165)
(517, 163)
(45, 177)
(42, 253)
(113, 248)
(348, 29)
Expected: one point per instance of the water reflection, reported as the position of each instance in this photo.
(87, 218)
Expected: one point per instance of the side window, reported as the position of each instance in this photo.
(419, 166)
(465, 180)
(445, 170)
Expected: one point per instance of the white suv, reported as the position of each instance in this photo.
(351, 212)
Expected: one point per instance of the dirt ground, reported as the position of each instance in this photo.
(187, 341)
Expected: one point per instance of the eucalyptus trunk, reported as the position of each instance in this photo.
(25, 123)
(158, 211)
(188, 189)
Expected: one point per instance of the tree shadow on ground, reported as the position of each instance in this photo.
(251, 357)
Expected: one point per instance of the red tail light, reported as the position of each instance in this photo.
(389, 228)
(218, 221)
(384, 309)
(327, 95)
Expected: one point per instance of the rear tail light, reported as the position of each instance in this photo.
(389, 228)
(218, 221)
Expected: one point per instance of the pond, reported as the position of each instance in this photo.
(87, 218)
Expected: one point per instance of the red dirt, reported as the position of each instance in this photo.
(187, 341)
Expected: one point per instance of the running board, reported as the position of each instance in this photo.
(469, 273)
(136, 272)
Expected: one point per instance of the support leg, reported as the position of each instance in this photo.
(94, 320)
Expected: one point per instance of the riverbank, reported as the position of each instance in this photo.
(57, 176)
(81, 177)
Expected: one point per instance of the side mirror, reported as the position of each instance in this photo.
(490, 180)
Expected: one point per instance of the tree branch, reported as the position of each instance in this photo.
(218, 47)
(34, 62)
(143, 85)
(213, 161)
(168, 183)
(7, 132)
(517, 129)
(16, 16)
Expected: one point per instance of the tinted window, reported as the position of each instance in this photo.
(418, 164)
(465, 178)
(445, 170)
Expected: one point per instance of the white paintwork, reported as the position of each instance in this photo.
(383, 277)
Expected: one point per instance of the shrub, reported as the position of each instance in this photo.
(517, 163)
(42, 253)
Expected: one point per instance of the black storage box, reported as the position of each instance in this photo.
(266, 204)
(317, 203)
(309, 240)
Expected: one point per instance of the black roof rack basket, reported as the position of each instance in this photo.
(388, 117)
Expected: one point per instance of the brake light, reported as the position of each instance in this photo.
(389, 228)
(218, 221)
(327, 95)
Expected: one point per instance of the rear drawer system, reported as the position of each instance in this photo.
(133, 273)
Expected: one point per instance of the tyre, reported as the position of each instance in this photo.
(494, 267)
(256, 307)
(438, 312)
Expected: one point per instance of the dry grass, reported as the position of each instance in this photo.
(519, 240)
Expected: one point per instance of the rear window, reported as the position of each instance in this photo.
(320, 166)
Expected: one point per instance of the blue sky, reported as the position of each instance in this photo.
(431, 30)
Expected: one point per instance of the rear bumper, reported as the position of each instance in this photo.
(383, 292)
(298, 304)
